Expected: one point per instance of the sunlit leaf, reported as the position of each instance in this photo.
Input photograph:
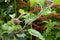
(36, 33)
(32, 2)
(41, 2)
(12, 16)
(21, 11)
(56, 2)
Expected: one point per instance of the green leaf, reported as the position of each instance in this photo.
(33, 2)
(30, 17)
(50, 24)
(41, 2)
(21, 11)
(10, 22)
(17, 27)
(1, 22)
(47, 12)
(36, 33)
(58, 35)
(6, 37)
(12, 16)
(15, 38)
(56, 2)
(21, 35)
(5, 27)
(54, 12)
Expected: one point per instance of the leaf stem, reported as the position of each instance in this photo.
(39, 15)
(31, 35)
